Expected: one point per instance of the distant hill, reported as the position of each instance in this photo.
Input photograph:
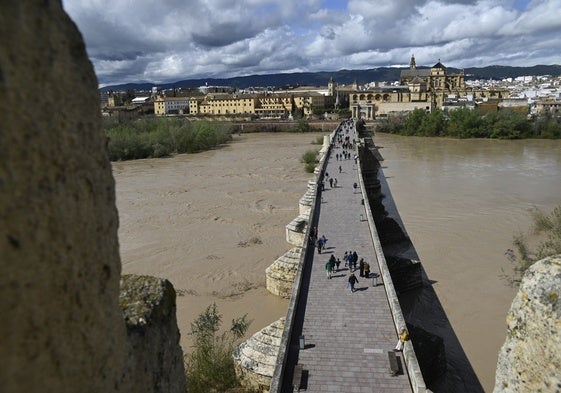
(341, 77)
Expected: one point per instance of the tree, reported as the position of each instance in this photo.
(210, 368)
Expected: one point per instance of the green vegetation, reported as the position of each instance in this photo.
(310, 159)
(467, 123)
(210, 368)
(548, 226)
(161, 137)
(318, 140)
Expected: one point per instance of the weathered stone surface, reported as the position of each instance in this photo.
(63, 330)
(256, 358)
(148, 305)
(530, 358)
(296, 230)
(58, 221)
(280, 275)
(306, 202)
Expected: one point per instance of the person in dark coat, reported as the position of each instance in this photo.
(352, 281)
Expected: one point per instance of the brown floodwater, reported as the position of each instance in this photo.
(462, 202)
(212, 223)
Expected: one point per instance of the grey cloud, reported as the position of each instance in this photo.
(174, 39)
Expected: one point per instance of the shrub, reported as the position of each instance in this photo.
(310, 157)
(210, 368)
(145, 138)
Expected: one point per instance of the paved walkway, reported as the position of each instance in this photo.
(347, 335)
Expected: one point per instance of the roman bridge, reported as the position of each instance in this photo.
(335, 340)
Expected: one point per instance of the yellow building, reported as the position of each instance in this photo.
(223, 104)
(266, 106)
(171, 105)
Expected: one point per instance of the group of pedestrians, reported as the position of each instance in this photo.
(350, 258)
(344, 155)
(332, 265)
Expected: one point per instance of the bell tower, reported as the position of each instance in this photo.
(412, 65)
(331, 87)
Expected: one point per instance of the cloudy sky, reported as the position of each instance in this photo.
(169, 40)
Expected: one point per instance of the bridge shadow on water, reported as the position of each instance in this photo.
(443, 362)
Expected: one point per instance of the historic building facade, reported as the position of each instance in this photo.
(425, 88)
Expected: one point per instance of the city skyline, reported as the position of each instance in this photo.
(172, 40)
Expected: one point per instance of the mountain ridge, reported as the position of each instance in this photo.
(321, 78)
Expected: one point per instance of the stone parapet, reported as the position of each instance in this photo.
(280, 275)
(305, 203)
(255, 359)
(415, 376)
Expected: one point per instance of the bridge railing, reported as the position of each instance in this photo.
(412, 364)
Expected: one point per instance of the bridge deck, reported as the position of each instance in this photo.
(347, 335)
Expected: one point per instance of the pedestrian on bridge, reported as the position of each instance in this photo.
(352, 281)
(361, 267)
(403, 336)
(354, 259)
(329, 268)
(366, 269)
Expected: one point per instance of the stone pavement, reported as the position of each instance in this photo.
(347, 335)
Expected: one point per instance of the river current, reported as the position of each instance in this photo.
(462, 202)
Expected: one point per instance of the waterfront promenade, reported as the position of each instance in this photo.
(347, 335)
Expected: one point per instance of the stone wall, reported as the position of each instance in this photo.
(62, 328)
(280, 275)
(255, 359)
(296, 230)
(148, 305)
(530, 358)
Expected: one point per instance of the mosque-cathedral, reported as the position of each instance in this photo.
(418, 88)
